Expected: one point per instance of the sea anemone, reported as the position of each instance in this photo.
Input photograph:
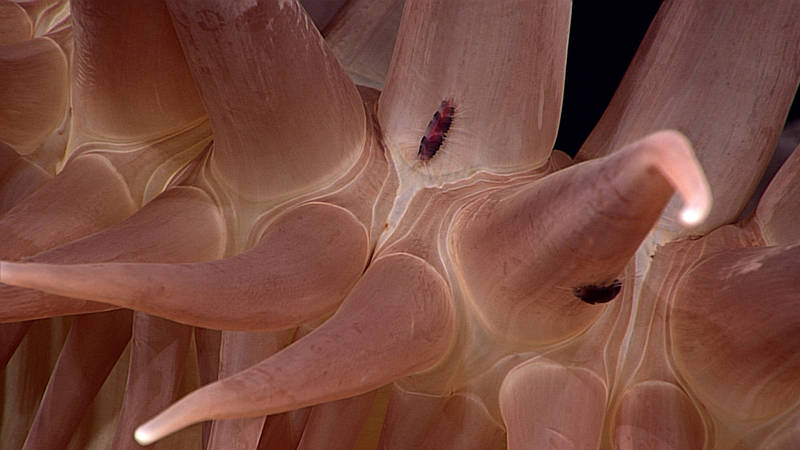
(404, 261)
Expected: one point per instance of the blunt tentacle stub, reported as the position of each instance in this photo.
(437, 130)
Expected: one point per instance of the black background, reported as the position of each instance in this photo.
(603, 39)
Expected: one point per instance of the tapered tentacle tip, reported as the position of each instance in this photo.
(144, 435)
(165, 423)
(696, 197)
(198, 406)
(27, 275)
(7, 270)
(671, 153)
(21, 274)
(693, 215)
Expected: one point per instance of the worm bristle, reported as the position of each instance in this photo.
(437, 129)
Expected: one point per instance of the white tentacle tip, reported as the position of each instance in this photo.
(692, 216)
(143, 436)
(10, 272)
(6, 270)
(698, 206)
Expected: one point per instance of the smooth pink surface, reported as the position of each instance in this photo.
(248, 184)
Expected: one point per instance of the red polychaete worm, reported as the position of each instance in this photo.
(437, 130)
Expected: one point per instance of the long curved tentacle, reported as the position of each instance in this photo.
(91, 194)
(399, 290)
(674, 81)
(90, 352)
(28, 230)
(299, 271)
(42, 92)
(157, 232)
(504, 243)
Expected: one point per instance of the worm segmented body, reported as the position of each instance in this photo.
(437, 130)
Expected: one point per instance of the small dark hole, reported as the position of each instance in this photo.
(592, 294)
